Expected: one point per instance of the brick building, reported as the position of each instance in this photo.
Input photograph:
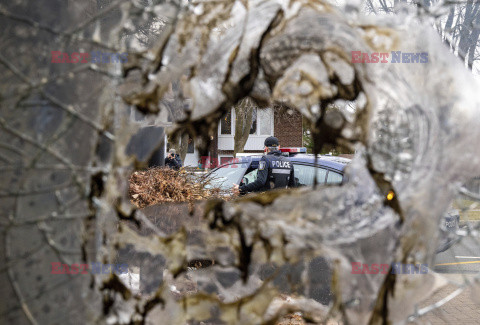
(286, 125)
(288, 129)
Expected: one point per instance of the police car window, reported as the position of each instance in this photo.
(334, 178)
(305, 174)
(251, 176)
(225, 176)
(321, 174)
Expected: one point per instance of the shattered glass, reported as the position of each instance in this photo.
(72, 133)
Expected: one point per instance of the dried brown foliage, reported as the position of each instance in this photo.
(291, 319)
(161, 184)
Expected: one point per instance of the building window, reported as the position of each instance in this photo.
(253, 128)
(226, 123)
(262, 123)
(191, 146)
(265, 121)
(224, 160)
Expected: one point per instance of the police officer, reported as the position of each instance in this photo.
(274, 170)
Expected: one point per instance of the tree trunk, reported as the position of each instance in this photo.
(449, 23)
(243, 122)
(180, 144)
(465, 32)
(473, 44)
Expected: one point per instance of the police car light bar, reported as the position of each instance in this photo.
(294, 149)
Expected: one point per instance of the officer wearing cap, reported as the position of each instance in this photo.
(274, 170)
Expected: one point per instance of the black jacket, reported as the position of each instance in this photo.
(274, 171)
(174, 163)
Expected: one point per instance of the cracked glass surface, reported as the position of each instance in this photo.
(69, 143)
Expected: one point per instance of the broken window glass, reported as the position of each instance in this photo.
(70, 143)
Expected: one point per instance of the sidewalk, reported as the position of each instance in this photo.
(460, 310)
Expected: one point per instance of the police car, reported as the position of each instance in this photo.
(243, 169)
(328, 170)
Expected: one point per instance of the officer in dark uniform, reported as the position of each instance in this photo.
(274, 170)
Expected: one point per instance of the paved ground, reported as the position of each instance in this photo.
(459, 263)
(462, 258)
(460, 310)
(464, 309)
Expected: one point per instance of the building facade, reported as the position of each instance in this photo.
(286, 125)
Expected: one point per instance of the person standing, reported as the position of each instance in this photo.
(274, 170)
